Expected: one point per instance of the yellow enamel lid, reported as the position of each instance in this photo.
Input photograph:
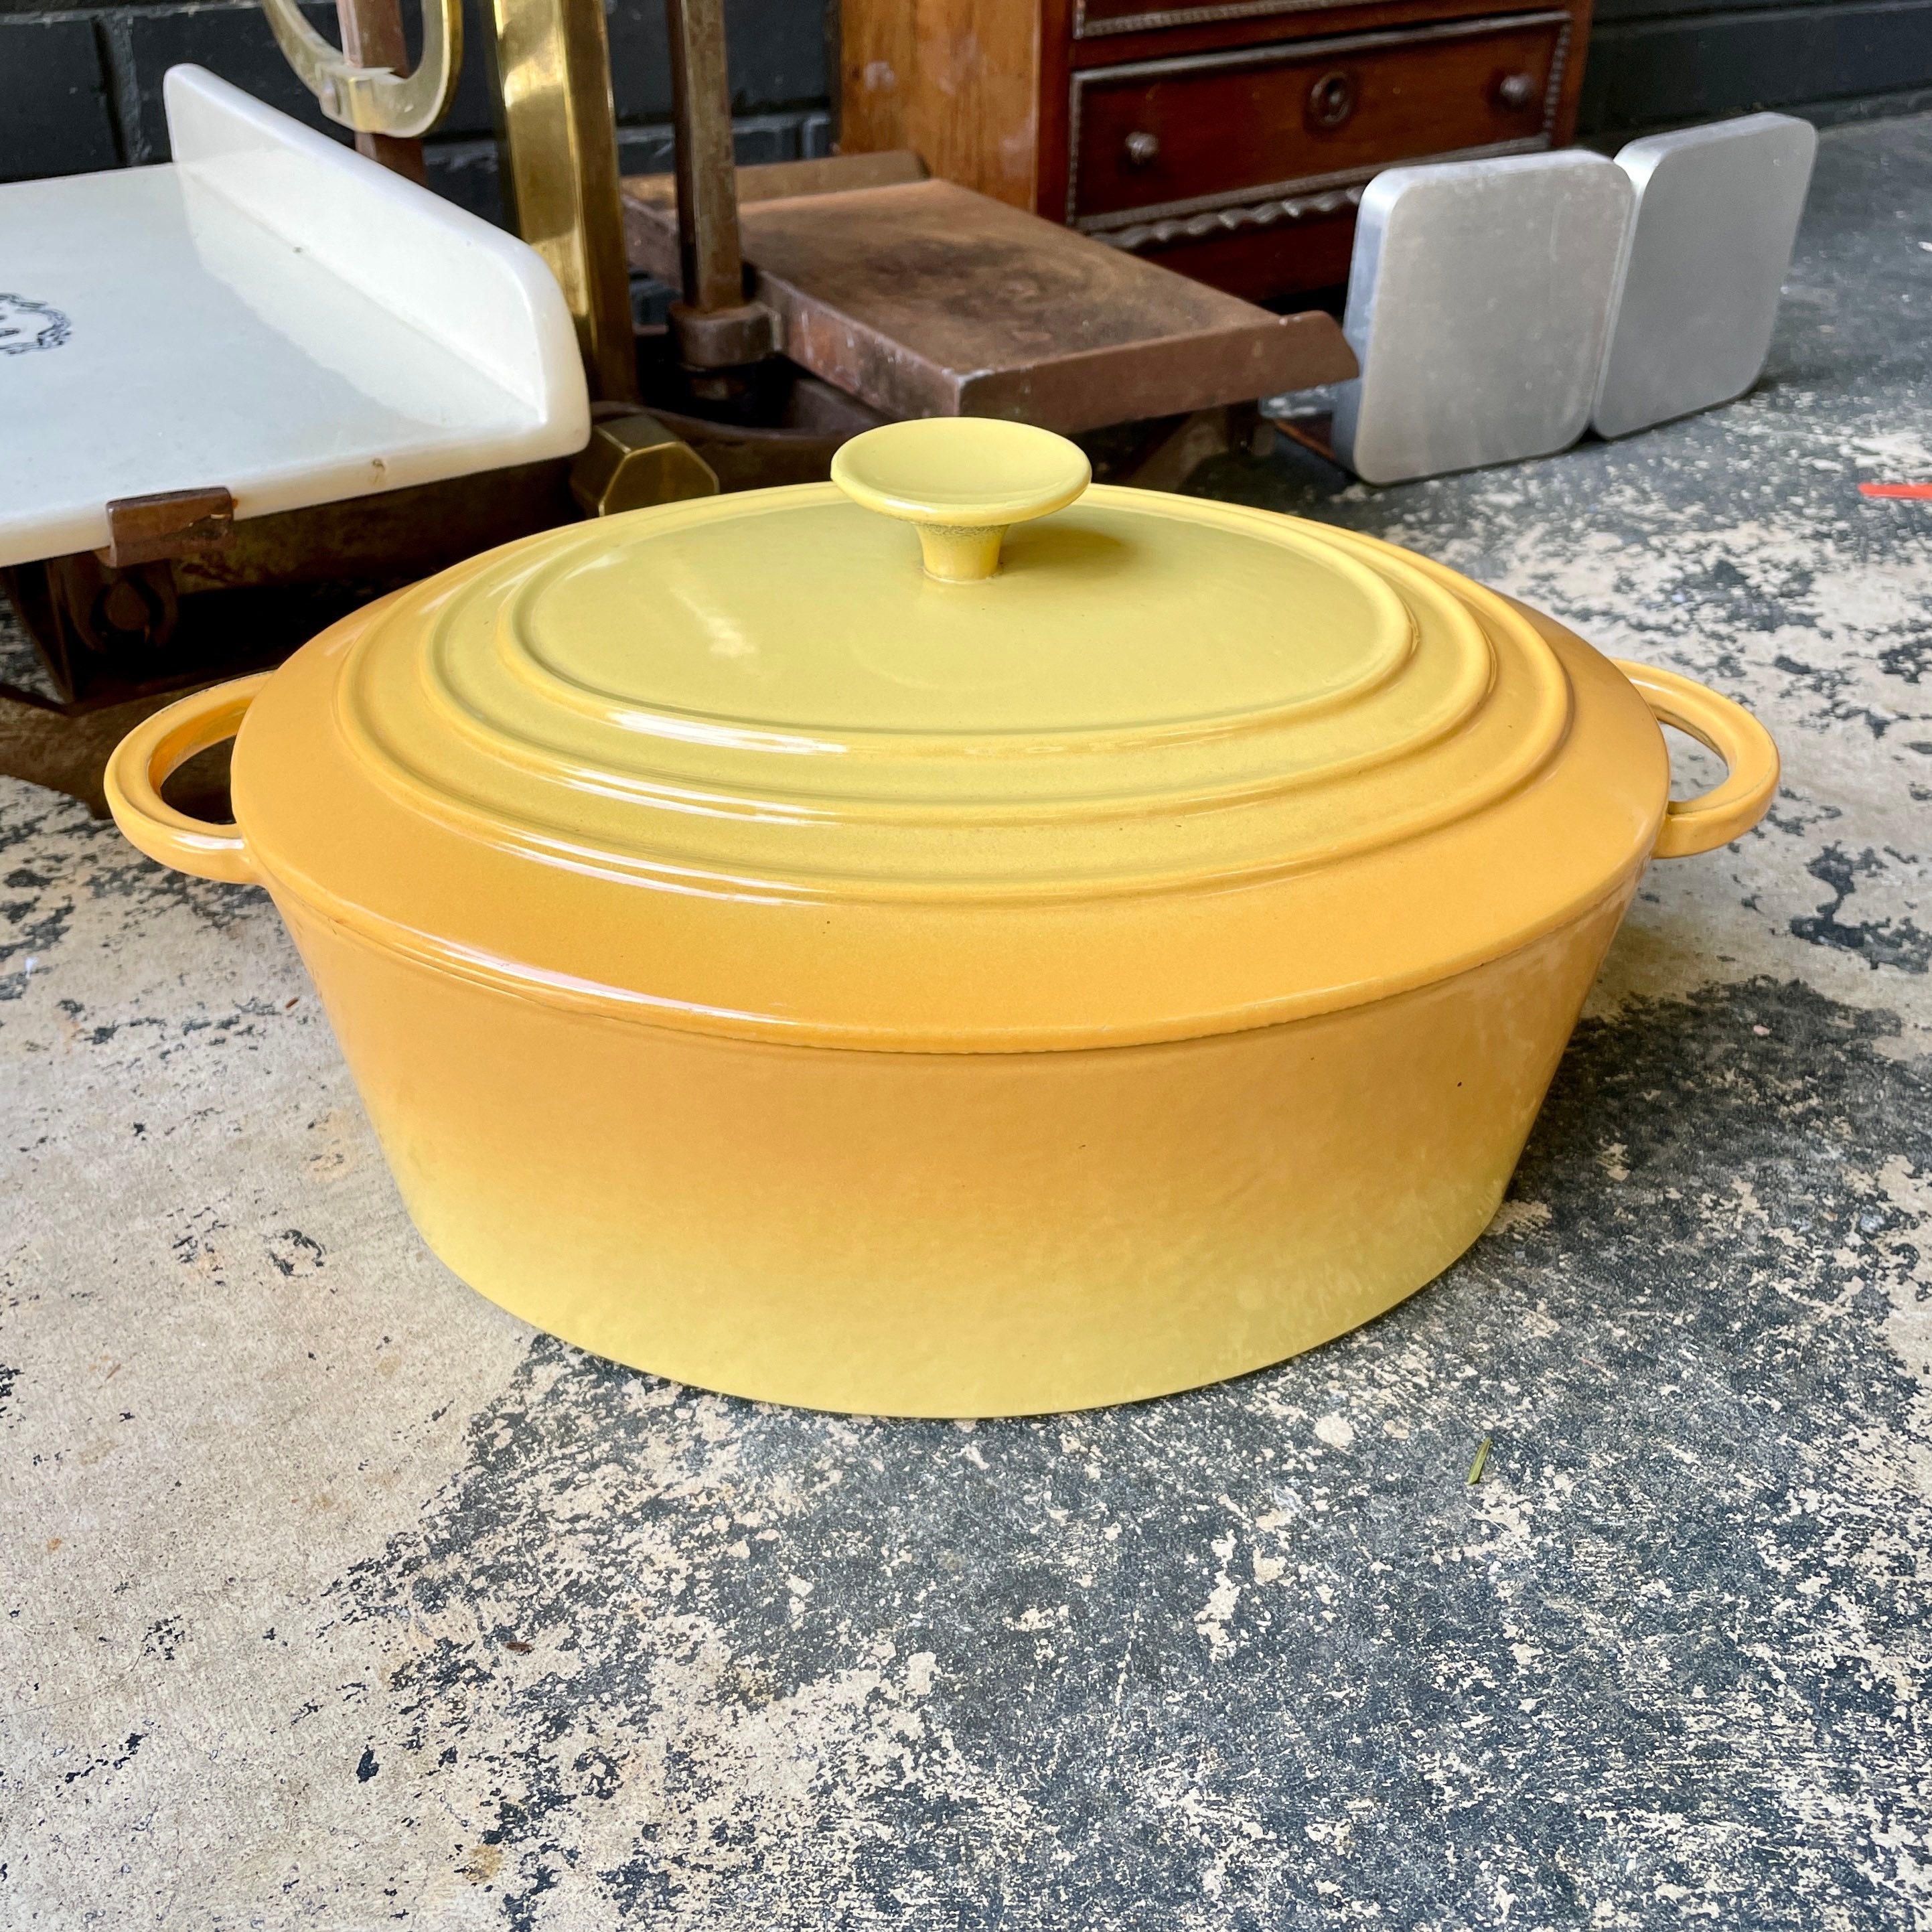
(957, 751)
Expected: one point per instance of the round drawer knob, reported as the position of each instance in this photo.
(1141, 149)
(1331, 101)
(1516, 90)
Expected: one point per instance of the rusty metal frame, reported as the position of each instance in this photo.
(713, 325)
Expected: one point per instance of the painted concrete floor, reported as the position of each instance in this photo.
(333, 1597)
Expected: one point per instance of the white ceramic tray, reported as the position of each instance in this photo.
(270, 313)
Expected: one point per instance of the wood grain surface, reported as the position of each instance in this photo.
(927, 299)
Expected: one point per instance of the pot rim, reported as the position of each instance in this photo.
(1124, 970)
(433, 953)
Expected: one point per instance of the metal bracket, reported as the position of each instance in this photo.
(633, 461)
(170, 523)
(376, 99)
(723, 338)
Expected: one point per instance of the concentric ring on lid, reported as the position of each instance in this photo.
(765, 694)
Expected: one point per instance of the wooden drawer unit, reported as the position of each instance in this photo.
(1230, 141)
(1207, 131)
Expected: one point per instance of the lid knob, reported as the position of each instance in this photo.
(962, 480)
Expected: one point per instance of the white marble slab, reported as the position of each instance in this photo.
(1718, 209)
(271, 313)
(1479, 297)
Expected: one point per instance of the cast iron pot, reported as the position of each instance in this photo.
(1124, 953)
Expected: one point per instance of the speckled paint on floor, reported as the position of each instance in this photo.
(334, 1597)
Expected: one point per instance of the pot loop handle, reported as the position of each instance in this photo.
(1702, 824)
(160, 745)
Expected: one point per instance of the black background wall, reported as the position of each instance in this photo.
(80, 84)
(1656, 63)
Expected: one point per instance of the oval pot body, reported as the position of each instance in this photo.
(1099, 943)
(951, 1235)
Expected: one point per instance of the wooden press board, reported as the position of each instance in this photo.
(924, 298)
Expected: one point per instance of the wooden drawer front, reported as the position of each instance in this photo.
(1210, 130)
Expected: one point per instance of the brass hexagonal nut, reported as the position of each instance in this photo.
(632, 462)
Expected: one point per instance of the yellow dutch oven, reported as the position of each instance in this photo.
(1122, 952)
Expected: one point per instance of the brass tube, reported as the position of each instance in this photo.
(560, 141)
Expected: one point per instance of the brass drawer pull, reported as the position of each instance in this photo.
(1516, 90)
(1331, 101)
(1142, 149)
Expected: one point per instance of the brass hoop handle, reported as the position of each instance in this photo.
(376, 99)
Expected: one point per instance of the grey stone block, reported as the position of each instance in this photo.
(1478, 301)
(1718, 209)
